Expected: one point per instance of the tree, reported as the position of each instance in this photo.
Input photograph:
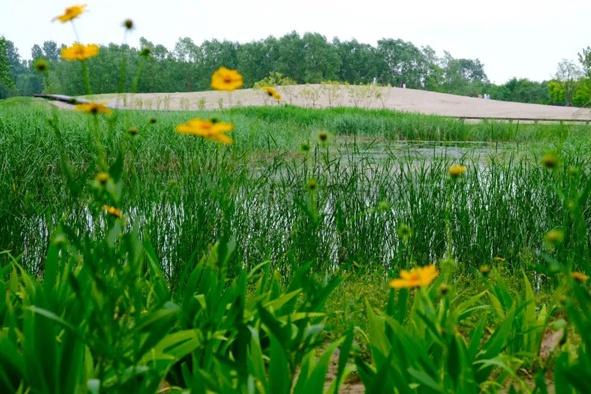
(556, 92)
(359, 62)
(434, 72)
(521, 90)
(7, 85)
(402, 63)
(463, 76)
(257, 59)
(320, 60)
(568, 73)
(290, 52)
(585, 60)
(187, 55)
(582, 95)
(36, 52)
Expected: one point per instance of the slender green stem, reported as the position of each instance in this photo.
(86, 78)
(138, 73)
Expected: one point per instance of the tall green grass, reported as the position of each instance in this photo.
(215, 278)
(184, 194)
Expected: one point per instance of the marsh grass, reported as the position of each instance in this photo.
(372, 177)
(145, 302)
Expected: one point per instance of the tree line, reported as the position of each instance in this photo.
(308, 58)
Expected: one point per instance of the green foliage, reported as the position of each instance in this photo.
(7, 85)
(401, 63)
(137, 260)
(274, 79)
(521, 90)
(585, 61)
(104, 318)
(265, 210)
(277, 61)
(310, 58)
(146, 261)
(431, 341)
(556, 92)
(582, 95)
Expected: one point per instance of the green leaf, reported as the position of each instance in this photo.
(279, 372)
(174, 347)
(425, 380)
(314, 381)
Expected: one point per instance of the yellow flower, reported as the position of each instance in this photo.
(226, 79)
(323, 137)
(207, 129)
(102, 177)
(71, 13)
(94, 108)
(579, 277)
(128, 24)
(484, 269)
(416, 277)
(113, 211)
(41, 65)
(550, 160)
(554, 236)
(79, 52)
(456, 170)
(272, 92)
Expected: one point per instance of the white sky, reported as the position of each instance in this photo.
(513, 38)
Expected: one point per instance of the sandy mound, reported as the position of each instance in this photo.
(323, 96)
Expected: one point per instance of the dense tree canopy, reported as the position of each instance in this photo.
(308, 58)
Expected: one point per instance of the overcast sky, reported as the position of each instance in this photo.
(513, 38)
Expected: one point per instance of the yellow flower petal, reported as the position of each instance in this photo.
(71, 13)
(579, 277)
(79, 52)
(207, 129)
(271, 92)
(226, 79)
(93, 108)
(113, 211)
(456, 170)
(417, 277)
